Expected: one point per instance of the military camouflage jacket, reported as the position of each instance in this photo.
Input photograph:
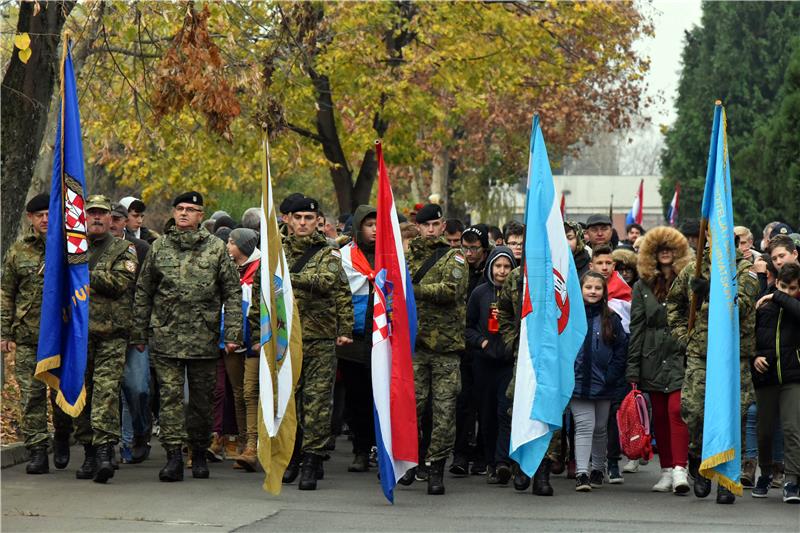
(440, 296)
(112, 281)
(182, 285)
(509, 310)
(321, 289)
(679, 301)
(21, 291)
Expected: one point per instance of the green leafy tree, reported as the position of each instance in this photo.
(739, 54)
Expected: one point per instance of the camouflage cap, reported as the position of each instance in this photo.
(98, 201)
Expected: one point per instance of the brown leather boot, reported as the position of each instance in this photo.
(248, 461)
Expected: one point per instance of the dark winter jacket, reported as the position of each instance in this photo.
(480, 307)
(600, 368)
(582, 260)
(655, 358)
(778, 339)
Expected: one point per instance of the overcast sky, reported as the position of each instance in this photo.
(671, 18)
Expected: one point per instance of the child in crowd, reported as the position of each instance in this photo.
(599, 369)
(776, 377)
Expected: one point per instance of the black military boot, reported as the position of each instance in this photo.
(319, 471)
(408, 477)
(87, 469)
(292, 470)
(541, 479)
(39, 463)
(724, 496)
(702, 486)
(436, 477)
(521, 479)
(360, 463)
(105, 465)
(173, 471)
(199, 464)
(60, 451)
(308, 472)
(140, 450)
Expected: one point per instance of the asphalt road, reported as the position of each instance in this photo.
(134, 500)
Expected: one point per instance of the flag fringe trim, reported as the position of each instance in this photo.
(42, 373)
(706, 470)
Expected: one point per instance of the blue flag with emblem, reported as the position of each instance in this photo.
(64, 329)
(721, 458)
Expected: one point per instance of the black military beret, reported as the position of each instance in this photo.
(429, 212)
(191, 197)
(40, 202)
(286, 204)
(303, 204)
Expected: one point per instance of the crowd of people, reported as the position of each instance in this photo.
(174, 345)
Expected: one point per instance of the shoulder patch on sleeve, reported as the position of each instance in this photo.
(752, 274)
(459, 258)
(130, 266)
(132, 248)
(333, 266)
(336, 253)
(458, 272)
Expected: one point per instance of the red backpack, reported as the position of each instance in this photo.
(634, 426)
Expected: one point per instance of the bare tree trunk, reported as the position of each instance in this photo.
(42, 172)
(440, 175)
(25, 100)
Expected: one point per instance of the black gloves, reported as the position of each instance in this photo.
(700, 286)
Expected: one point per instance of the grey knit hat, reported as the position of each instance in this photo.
(245, 239)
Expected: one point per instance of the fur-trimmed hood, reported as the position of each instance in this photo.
(658, 237)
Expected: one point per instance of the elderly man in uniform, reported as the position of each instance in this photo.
(184, 282)
(439, 275)
(326, 313)
(112, 270)
(20, 312)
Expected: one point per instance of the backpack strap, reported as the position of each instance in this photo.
(306, 257)
(428, 264)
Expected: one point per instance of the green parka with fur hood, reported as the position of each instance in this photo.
(655, 357)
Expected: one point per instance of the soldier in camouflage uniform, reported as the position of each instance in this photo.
(440, 295)
(20, 313)
(326, 313)
(112, 269)
(182, 285)
(509, 307)
(696, 341)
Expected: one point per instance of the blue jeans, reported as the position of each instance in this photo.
(136, 394)
(751, 437)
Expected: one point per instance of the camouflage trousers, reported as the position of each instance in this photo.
(33, 397)
(315, 394)
(693, 400)
(99, 422)
(192, 423)
(437, 375)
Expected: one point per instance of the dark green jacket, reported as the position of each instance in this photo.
(320, 289)
(112, 281)
(655, 357)
(182, 285)
(441, 296)
(21, 293)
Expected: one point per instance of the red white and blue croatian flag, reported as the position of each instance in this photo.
(672, 213)
(553, 324)
(393, 336)
(635, 214)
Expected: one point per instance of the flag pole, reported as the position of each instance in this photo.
(698, 262)
(63, 90)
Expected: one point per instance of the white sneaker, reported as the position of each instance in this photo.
(665, 482)
(680, 480)
(631, 466)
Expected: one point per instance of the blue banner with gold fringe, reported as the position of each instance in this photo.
(64, 329)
